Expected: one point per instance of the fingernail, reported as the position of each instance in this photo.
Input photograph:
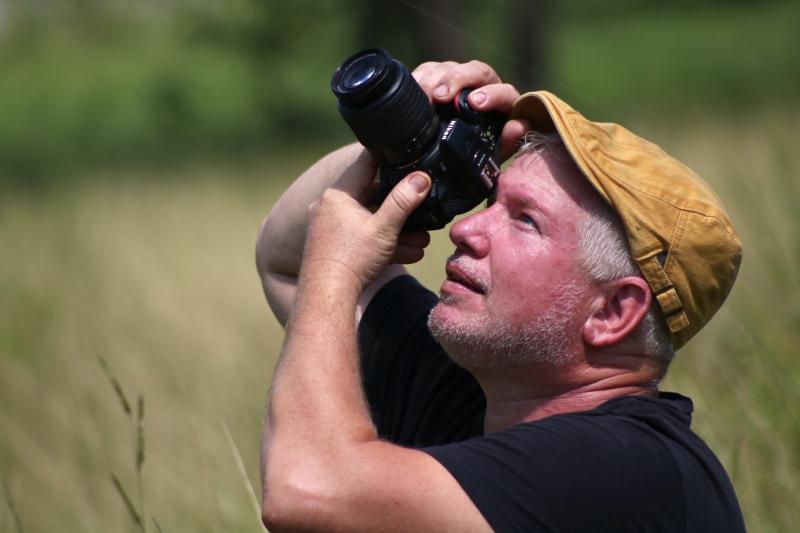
(441, 90)
(477, 98)
(419, 182)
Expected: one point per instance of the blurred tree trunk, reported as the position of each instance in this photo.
(530, 22)
(412, 32)
(440, 25)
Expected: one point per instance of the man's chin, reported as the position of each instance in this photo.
(446, 314)
(443, 318)
(456, 336)
(477, 341)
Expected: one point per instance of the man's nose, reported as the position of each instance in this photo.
(469, 234)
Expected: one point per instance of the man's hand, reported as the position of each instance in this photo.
(343, 237)
(443, 81)
(351, 169)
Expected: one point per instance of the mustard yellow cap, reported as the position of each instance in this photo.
(679, 234)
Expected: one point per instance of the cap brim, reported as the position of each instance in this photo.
(545, 116)
(533, 108)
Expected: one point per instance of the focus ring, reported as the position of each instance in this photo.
(407, 110)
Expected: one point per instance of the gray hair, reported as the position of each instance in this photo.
(604, 251)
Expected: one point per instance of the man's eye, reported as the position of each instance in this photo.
(528, 221)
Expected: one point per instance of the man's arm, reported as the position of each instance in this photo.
(324, 467)
(279, 249)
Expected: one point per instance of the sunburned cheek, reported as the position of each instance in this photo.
(526, 285)
(520, 267)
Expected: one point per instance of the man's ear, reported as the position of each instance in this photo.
(620, 307)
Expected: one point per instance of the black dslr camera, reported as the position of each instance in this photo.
(391, 116)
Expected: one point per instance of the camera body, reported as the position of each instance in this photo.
(392, 117)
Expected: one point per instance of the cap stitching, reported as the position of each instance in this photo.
(683, 204)
(676, 232)
(682, 208)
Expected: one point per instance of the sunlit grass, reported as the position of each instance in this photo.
(156, 276)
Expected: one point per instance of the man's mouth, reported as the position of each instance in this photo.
(457, 275)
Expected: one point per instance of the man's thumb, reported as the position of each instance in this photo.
(403, 199)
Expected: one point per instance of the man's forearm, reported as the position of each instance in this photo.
(317, 412)
(318, 431)
(316, 386)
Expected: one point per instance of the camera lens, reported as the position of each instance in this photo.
(362, 70)
(385, 107)
(364, 78)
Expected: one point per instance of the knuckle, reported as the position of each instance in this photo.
(423, 71)
(331, 196)
(443, 73)
(482, 69)
(422, 67)
(457, 75)
(451, 68)
(401, 199)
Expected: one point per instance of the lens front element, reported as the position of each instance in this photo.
(359, 73)
(385, 107)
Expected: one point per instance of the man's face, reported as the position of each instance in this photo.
(514, 291)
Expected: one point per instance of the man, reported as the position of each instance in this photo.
(596, 255)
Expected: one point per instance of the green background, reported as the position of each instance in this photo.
(141, 143)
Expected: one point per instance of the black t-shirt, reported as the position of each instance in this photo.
(631, 464)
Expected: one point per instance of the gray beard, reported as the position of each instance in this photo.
(547, 338)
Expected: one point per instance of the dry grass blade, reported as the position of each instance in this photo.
(736, 454)
(158, 526)
(237, 457)
(11, 506)
(123, 400)
(128, 503)
(140, 434)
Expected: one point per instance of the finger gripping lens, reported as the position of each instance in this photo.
(391, 116)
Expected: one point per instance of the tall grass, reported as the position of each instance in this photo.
(157, 276)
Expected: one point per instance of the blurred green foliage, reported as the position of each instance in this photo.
(153, 268)
(680, 57)
(118, 82)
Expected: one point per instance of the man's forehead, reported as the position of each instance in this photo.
(525, 187)
(532, 177)
(546, 178)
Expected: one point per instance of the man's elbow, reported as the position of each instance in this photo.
(262, 257)
(277, 515)
(293, 506)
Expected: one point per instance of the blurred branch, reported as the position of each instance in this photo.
(10, 503)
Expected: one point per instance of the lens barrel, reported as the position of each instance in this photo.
(385, 107)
